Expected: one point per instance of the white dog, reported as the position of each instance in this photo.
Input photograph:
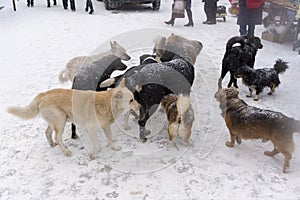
(89, 109)
(76, 63)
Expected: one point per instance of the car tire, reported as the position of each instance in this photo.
(107, 5)
(156, 5)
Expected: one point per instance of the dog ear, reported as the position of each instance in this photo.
(122, 83)
(112, 46)
(232, 92)
(118, 95)
(138, 88)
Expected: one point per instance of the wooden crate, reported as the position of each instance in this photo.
(272, 37)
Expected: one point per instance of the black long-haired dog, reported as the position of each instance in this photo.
(238, 56)
(260, 78)
(90, 77)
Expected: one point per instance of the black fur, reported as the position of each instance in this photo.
(238, 56)
(260, 78)
(151, 82)
(90, 77)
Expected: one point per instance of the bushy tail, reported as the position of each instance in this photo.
(280, 66)
(27, 112)
(111, 82)
(296, 126)
(183, 103)
(234, 40)
(63, 76)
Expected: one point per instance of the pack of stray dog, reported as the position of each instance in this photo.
(169, 71)
(96, 99)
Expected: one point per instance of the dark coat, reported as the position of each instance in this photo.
(249, 16)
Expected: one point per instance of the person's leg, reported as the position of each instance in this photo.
(251, 29)
(190, 16)
(170, 22)
(243, 30)
(206, 10)
(212, 10)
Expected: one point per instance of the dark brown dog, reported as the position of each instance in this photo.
(180, 116)
(247, 122)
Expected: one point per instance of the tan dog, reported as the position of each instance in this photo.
(247, 122)
(180, 116)
(89, 109)
(76, 63)
(192, 47)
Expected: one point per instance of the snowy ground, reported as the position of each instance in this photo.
(36, 43)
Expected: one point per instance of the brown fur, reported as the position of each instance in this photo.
(180, 117)
(89, 109)
(247, 122)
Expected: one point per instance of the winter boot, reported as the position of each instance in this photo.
(72, 5)
(190, 16)
(170, 22)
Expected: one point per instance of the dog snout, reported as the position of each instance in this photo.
(126, 57)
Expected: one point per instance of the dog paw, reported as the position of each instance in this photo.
(269, 153)
(147, 132)
(238, 140)
(116, 148)
(68, 153)
(92, 157)
(255, 99)
(270, 93)
(143, 140)
(248, 95)
(52, 144)
(229, 144)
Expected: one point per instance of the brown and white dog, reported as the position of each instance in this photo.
(89, 109)
(180, 116)
(248, 122)
(76, 63)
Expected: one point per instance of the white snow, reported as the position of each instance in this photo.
(36, 43)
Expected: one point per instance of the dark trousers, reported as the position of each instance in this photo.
(72, 4)
(210, 9)
(247, 32)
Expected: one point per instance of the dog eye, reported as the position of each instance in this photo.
(131, 100)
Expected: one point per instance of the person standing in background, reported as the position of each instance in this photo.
(210, 9)
(188, 5)
(250, 14)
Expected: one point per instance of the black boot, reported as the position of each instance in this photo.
(54, 2)
(72, 5)
(48, 3)
(190, 16)
(170, 22)
(65, 4)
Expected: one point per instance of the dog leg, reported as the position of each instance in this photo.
(286, 163)
(256, 97)
(59, 131)
(250, 92)
(144, 116)
(272, 89)
(93, 135)
(272, 153)
(232, 140)
(107, 132)
(49, 131)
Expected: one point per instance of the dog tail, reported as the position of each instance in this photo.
(234, 40)
(111, 82)
(183, 103)
(27, 112)
(296, 126)
(63, 76)
(280, 66)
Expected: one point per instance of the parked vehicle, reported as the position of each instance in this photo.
(113, 4)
